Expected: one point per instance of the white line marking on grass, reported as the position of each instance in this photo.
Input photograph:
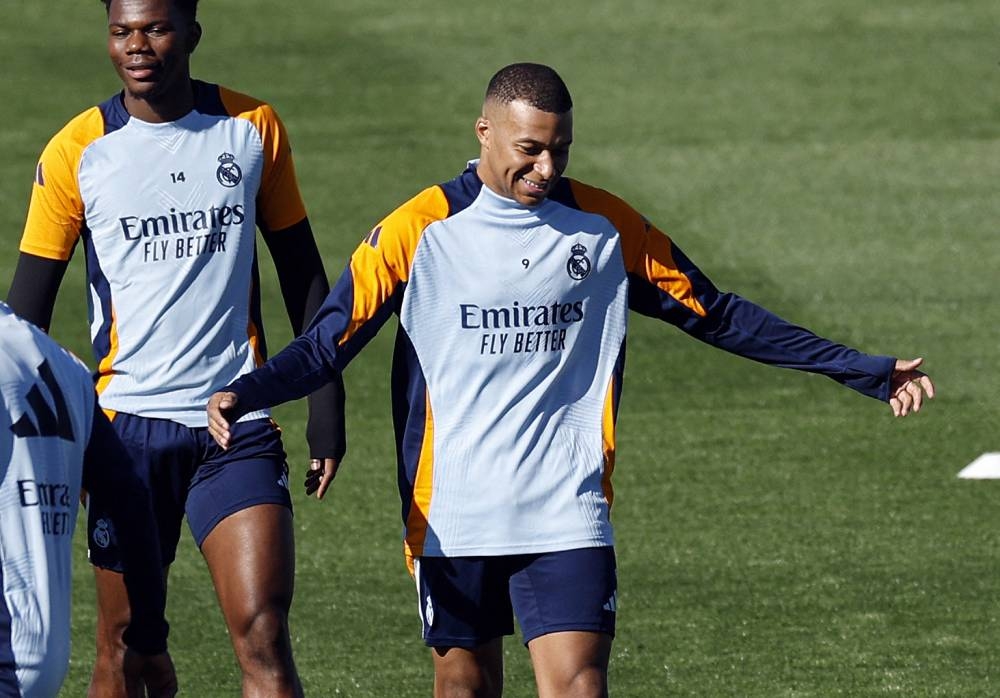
(986, 467)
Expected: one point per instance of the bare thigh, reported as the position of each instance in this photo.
(251, 555)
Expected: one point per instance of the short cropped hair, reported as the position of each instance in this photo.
(188, 7)
(538, 85)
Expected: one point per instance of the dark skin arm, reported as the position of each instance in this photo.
(32, 293)
(304, 285)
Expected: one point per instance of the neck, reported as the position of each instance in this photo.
(161, 108)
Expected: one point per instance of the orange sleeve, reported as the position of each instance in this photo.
(648, 252)
(279, 200)
(382, 261)
(55, 213)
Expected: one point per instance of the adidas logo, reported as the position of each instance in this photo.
(46, 422)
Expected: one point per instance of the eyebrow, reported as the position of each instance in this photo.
(532, 141)
(147, 25)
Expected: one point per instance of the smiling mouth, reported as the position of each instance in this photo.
(140, 72)
(536, 187)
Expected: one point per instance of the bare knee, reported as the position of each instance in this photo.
(588, 682)
(460, 673)
(467, 684)
(262, 642)
(109, 632)
(107, 679)
(572, 664)
(113, 612)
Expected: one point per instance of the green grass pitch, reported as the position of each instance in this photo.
(836, 161)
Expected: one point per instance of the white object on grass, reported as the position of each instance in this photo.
(986, 467)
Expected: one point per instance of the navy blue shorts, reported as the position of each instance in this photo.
(187, 473)
(468, 601)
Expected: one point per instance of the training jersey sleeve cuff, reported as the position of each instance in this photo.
(326, 432)
(873, 376)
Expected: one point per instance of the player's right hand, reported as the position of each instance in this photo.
(221, 407)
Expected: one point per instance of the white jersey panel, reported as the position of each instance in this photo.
(46, 421)
(518, 317)
(170, 232)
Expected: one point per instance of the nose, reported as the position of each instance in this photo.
(136, 43)
(544, 165)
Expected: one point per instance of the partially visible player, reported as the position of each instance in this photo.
(52, 437)
(513, 286)
(163, 187)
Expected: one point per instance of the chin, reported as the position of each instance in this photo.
(141, 91)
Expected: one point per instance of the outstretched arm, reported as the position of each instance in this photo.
(748, 330)
(303, 287)
(664, 283)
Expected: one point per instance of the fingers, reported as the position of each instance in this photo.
(909, 387)
(927, 384)
(909, 396)
(218, 425)
(903, 401)
(314, 476)
(897, 407)
(329, 470)
(908, 364)
(320, 476)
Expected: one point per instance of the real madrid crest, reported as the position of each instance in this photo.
(578, 266)
(229, 173)
(102, 533)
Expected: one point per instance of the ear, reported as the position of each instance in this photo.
(483, 131)
(194, 36)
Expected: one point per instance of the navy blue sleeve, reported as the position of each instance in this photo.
(315, 357)
(107, 469)
(744, 328)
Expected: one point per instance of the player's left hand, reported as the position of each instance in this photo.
(320, 475)
(151, 675)
(908, 387)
